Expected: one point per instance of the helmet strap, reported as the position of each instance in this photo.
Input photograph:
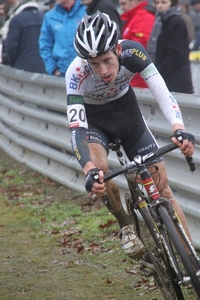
(118, 56)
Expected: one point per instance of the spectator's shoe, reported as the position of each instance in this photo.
(130, 242)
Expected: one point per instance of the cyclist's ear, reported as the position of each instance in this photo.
(118, 49)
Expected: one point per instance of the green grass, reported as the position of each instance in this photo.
(57, 244)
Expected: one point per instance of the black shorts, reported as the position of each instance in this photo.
(146, 144)
(121, 119)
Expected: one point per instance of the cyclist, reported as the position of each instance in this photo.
(101, 106)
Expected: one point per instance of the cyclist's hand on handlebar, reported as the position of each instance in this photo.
(94, 183)
(184, 140)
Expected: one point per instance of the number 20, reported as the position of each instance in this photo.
(77, 115)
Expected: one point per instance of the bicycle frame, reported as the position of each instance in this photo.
(151, 209)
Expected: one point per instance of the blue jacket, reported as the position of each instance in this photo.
(57, 36)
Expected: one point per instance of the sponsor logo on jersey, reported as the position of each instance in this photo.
(176, 108)
(74, 145)
(81, 74)
(133, 51)
(74, 99)
(149, 71)
(150, 146)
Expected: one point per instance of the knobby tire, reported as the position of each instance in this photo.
(178, 245)
(178, 295)
(161, 275)
(164, 276)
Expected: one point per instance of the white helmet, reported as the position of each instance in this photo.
(95, 35)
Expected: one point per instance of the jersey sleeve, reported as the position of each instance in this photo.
(75, 97)
(77, 117)
(134, 56)
(136, 59)
(165, 99)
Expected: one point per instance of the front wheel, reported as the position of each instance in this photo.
(151, 265)
(181, 252)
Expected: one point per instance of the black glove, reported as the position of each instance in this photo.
(91, 177)
(182, 135)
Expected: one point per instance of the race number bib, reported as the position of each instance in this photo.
(77, 116)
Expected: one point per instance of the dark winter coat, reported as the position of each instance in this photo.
(172, 55)
(21, 47)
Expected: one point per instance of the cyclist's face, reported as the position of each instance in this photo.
(106, 65)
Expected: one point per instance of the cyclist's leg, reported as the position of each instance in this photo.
(131, 244)
(99, 148)
(161, 180)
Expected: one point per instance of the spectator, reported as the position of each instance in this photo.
(196, 42)
(10, 7)
(183, 4)
(57, 35)
(168, 47)
(50, 4)
(21, 47)
(194, 13)
(2, 22)
(105, 6)
(137, 22)
(2, 13)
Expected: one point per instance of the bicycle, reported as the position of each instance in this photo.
(171, 258)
